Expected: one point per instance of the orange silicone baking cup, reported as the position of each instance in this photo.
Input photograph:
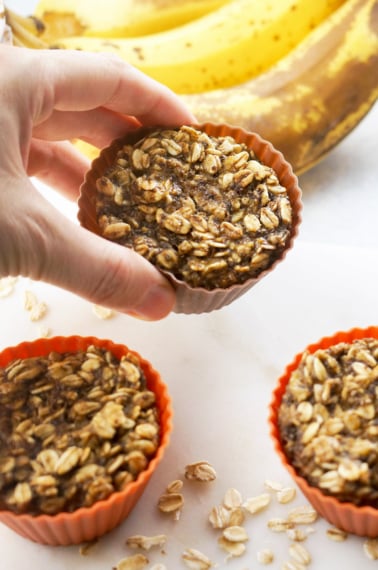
(189, 299)
(89, 523)
(349, 517)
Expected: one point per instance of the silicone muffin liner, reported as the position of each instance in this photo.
(189, 299)
(362, 521)
(88, 523)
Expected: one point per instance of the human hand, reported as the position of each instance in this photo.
(46, 98)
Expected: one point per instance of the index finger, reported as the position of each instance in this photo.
(83, 81)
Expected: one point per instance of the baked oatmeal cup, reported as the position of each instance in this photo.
(211, 206)
(324, 425)
(84, 424)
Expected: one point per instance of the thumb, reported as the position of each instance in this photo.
(109, 274)
(51, 248)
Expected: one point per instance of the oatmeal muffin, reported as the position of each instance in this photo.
(323, 420)
(197, 202)
(83, 424)
(328, 420)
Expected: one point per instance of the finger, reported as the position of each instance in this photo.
(58, 165)
(82, 81)
(98, 126)
(49, 247)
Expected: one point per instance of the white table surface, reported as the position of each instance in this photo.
(221, 368)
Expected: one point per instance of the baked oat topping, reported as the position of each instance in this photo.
(202, 208)
(328, 420)
(74, 428)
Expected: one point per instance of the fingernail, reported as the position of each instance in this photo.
(156, 304)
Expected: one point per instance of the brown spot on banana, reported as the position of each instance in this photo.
(312, 98)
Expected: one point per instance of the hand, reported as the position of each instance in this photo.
(46, 98)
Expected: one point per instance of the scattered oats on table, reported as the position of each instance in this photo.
(300, 553)
(233, 549)
(286, 495)
(7, 286)
(146, 542)
(135, 562)
(171, 502)
(103, 313)
(196, 560)
(370, 547)
(232, 498)
(175, 486)
(265, 556)
(257, 504)
(85, 548)
(279, 524)
(36, 309)
(201, 471)
(337, 534)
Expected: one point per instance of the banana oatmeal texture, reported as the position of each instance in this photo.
(74, 428)
(200, 207)
(328, 420)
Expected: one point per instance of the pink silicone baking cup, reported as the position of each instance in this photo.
(362, 521)
(89, 523)
(191, 300)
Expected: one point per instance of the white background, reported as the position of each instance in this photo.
(222, 367)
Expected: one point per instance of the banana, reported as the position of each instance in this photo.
(310, 100)
(230, 45)
(26, 31)
(118, 18)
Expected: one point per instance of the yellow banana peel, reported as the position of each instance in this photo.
(230, 45)
(311, 99)
(305, 103)
(118, 18)
(26, 30)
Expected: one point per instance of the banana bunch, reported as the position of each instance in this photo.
(300, 73)
(311, 99)
(118, 18)
(229, 45)
(26, 31)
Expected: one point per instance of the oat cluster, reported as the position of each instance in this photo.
(328, 420)
(202, 208)
(74, 428)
